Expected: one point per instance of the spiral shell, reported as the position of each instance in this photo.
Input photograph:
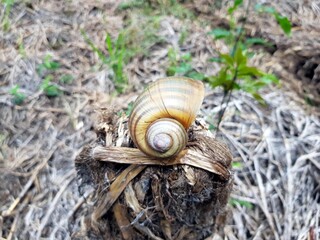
(162, 114)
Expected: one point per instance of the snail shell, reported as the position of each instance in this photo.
(162, 114)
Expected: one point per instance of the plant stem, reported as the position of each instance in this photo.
(227, 93)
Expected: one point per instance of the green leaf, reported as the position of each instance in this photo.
(227, 59)
(235, 202)
(94, 48)
(118, 56)
(129, 108)
(18, 98)
(47, 64)
(239, 57)
(284, 23)
(22, 50)
(52, 91)
(108, 43)
(257, 41)
(50, 65)
(118, 69)
(236, 4)
(8, 2)
(172, 55)
(183, 68)
(186, 57)
(14, 90)
(49, 89)
(120, 41)
(196, 75)
(223, 79)
(259, 98)
(259, 84)
(244, 70)
(53, 65)
(219, 80)
(171, 71)
(237, 165)
(46, 81)
(270, 78)
(220, 33)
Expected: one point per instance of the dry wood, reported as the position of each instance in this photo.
(208, 170)
(188, 157)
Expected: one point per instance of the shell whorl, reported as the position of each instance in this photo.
(162, 114)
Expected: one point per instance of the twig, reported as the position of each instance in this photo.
(13, 227)
(290, 183)
(29, 183)
(263, 196)
(54, 203)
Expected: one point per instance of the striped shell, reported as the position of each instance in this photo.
(162, 114)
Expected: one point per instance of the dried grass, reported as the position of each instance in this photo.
(278, 146)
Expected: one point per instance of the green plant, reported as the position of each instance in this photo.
(66, 79)
(182, 65)
(243, 203)
(49, 88)
(115, 60)
(237, 165)
(124, 5)
(18, 97)
(129, 109)
(283, 21)
(22, 50)
(5, 23)
(47, 71)
(48, 64)
(250, 79)
(235, 73)
(183, 35)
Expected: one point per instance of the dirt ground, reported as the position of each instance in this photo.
(276, 193)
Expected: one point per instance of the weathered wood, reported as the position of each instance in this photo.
(138, 197)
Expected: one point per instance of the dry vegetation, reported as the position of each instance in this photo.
(276, 149)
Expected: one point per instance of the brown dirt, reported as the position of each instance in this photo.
(276, 186)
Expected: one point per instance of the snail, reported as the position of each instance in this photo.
(162, 114)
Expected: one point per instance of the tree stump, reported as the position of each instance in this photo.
(136, 197)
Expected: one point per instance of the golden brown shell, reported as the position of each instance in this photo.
(162, 114)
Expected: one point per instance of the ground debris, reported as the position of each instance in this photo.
(275, 148)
